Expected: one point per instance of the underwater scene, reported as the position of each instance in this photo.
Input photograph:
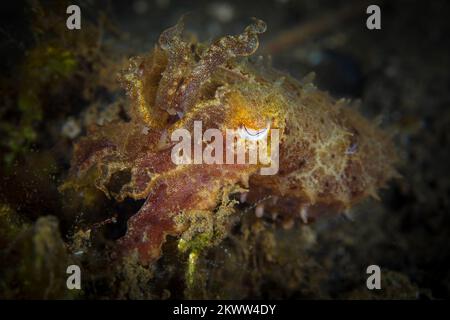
(214, 150)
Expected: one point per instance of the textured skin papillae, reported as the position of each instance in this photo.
(331, 157)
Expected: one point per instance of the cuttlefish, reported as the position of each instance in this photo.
(329, 156)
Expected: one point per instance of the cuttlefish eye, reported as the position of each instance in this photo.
(253, 134)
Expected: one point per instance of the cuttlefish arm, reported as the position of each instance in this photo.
(193, 188)
(183, 77)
